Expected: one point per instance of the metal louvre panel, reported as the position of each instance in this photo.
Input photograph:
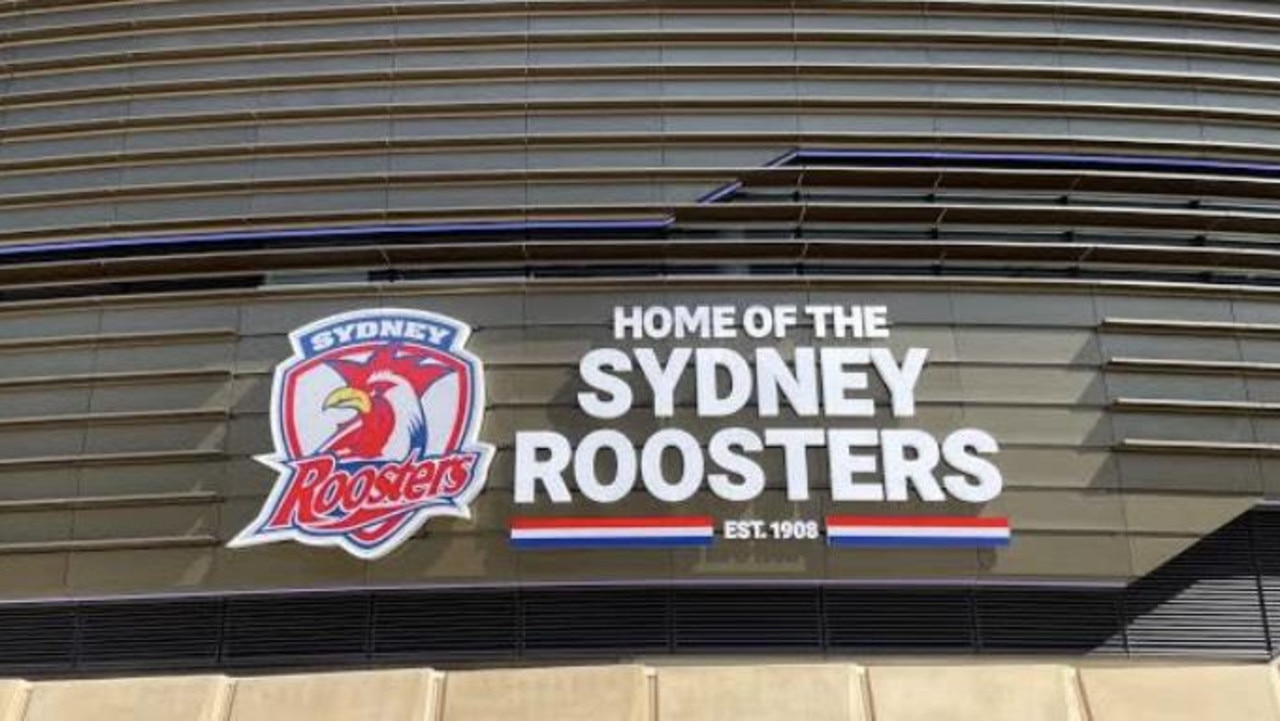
(445, 624)
(1206, 601)
(874, 620)
(271, 630)
(1265, 534)
(156, 633)
(1027, 621)
(569, 621)
(140, 118)
(37, 638)
(748, 618)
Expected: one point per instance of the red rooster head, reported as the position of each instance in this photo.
(385, 392)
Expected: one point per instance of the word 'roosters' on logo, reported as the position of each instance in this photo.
(375, 419)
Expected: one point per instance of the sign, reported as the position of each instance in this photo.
(826, 385)
(375, 419)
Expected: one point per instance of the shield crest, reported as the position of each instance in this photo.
(375, 419)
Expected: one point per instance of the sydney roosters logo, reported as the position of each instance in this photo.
(375, 418)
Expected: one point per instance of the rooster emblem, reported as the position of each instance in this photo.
(385, 394)
(375, 419)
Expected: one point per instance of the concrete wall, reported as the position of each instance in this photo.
(838, 692)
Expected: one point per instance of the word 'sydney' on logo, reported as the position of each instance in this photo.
(375, 419)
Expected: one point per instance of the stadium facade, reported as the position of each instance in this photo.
(727, 327)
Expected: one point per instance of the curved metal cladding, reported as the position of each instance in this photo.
(1072, 205)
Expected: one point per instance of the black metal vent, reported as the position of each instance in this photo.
(1206, 601)
(302, 629)
(183, 633)
(1038, 621)
(919, 620)
(37, 638)
(1220, 598)
(748, 618)
(574, 621)
(445, 624)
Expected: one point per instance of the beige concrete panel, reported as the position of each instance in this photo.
(1190, 386)
(1266, 429)
(907, 563)
(34, 526)
(548, 384)
(1024, 309)
(442, 557)
(212, 392)
(1044, 554)
(185, 698)
(1057, 346)
(251, 392)
(561, 345)
(33, 575)
(44, 400)
(37, 482)
(752, 559)
(244, 477)
(260, 353)
(1263, 389)
(1171, 347)
(1057, 468)
(13, 700)
(129, 479)
(1190, 514)
(1034, 385)
(1260, 350)
(1270, 471)
(1058, 426)
(1184, 427)
(37, 442)
(600, 693)
(407, 695)
(827, 692)
(1225, 693)
(1151, 552)
(285, 565)
(174, 435)
(266, 315)
(973, 693)
(38, 363)
(1165, 307)
(164, 356)
(939, 384)
(1189, 472)
(169, 316)
(1253, 310)
(139, 521)
(26, 323)
(1060, 510)
(141, 570)
(563, 564)
(479, 310)
(249, 433)
(940, 340)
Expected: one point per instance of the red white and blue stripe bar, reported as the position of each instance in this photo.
(633, 532)
(917, 531)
